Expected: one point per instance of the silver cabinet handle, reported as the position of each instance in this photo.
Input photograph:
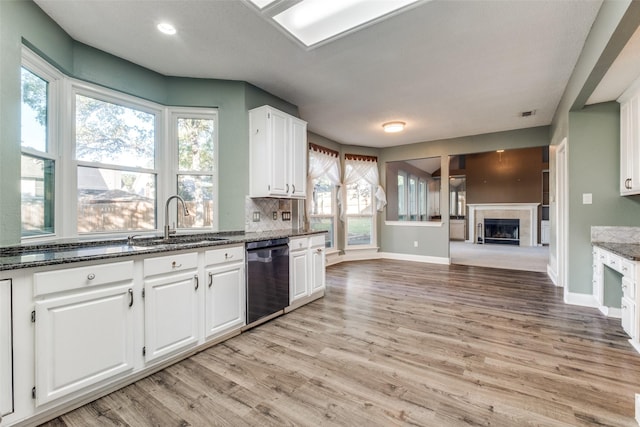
(294, 188)
(210, 279)
(91, 276)
(287, 188)
(319, 250)
(197, 281)
(130, 297)
(227, 256)
(175, 265)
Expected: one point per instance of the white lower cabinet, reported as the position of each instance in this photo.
(298, 269)
(225, 302)
(171, 288)
(628, 316)
(6, 363)
(316, 254)
(307, 269)
(85, 335)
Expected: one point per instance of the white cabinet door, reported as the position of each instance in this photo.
(628, 317)
(6, 363)
(225, 299)
(298, 155)
(171, 313)
(545, 232)
(280, 140)
(630, 146)
(83, 338)
(317, 269)
(299, 275)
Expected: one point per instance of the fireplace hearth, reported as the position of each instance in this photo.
(502, 231)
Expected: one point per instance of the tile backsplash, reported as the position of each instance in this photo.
(614, 234)
(264, 209)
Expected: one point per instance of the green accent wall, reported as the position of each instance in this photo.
(594, 167)
(23, 22)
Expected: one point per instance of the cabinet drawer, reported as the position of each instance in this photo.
(81, 277)
(614, 262)
(316, 241)
(170, 263)
(225, 254)
(628, 288)
(628, 269)
(299, 244)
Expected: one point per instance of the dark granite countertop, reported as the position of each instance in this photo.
(630, 251)
(73, 250)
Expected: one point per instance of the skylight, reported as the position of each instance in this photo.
(315, 21)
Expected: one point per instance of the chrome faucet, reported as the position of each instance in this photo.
(167, 230)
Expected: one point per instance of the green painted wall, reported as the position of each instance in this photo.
(594, 167)
(434, 241)
(21, 21)
(592, 135)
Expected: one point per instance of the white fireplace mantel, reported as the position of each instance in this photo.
(530, 210)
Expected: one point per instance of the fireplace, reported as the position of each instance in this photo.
(502, 231)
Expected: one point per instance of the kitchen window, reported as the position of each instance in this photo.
(115, 151)
(362, 196)
(40, 85)
(196, 135)
(323, 177)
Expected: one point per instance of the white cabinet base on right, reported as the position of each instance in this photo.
(6, 364)
(306, 270)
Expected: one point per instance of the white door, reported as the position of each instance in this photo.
(298, 158)
(82, 339)
(317, 269)
(279, 136)
(171, 313)
(6, 366)
(225, 299)
(299, 271)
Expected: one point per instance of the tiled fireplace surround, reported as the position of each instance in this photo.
(527, 213)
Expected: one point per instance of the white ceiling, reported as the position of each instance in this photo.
(446, 67)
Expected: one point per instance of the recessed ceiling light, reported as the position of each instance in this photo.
(393, 127)
(166, 28)
(314, 21)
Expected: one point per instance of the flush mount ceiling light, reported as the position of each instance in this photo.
(166, 28)
(315, 21)
(393, 127)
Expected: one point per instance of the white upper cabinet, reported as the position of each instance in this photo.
(278, 154)
(630, 141)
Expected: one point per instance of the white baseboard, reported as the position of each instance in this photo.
(585, 300)
(614, 312)
(416, 258)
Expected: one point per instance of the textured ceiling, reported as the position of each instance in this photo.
(447, 68)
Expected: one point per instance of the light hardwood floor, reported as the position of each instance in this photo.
(400, 343)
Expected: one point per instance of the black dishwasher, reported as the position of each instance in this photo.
(267, 278)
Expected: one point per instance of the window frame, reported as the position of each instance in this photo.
(173, 160)
(55, 91)
(374, 235)
(123, 100)
(333, 216)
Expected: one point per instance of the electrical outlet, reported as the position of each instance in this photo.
(415, 243)
(256, 216)
(286, 216)
(274, 215)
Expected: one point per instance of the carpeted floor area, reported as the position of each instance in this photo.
(533, 258)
